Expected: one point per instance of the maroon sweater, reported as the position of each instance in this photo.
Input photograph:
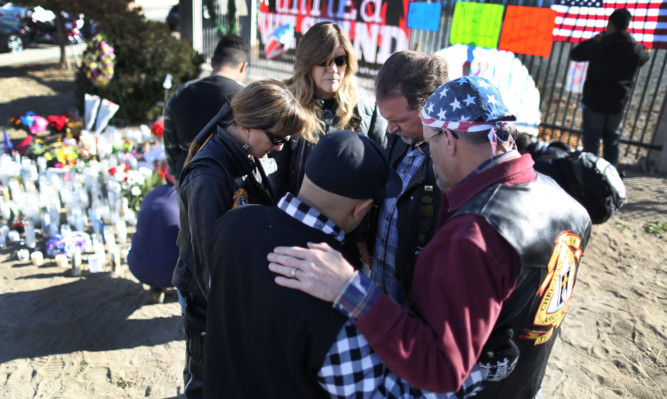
(461, 280)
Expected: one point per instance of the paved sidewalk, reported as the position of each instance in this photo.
(40, 54)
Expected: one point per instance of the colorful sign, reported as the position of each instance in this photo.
(376, 28)
(528, 30)
(424, 16)
(476, 24)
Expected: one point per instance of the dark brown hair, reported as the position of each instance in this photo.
(412, 74)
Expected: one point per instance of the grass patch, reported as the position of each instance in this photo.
(656, 228)
(620, 226)
(122, 383)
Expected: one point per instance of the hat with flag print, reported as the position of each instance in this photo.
(466, 104)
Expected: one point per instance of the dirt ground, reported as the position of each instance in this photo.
(96, 336)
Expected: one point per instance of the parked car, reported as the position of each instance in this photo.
(14, 14)
(12, 37)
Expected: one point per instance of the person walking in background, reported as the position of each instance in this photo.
(222, 172)
(403, 225)
(325, 85)
(196, 102)
(614, 57)
(489, 273)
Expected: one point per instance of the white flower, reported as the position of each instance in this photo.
(136, 191)
(146, 172)
(135, 177)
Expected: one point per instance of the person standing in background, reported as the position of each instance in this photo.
(196, 102)
(614, 57)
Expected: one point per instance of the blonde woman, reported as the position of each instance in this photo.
(325, 85)
(221, 173)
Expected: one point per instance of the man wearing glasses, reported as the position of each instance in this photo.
(502, 263)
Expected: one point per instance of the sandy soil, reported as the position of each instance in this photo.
(96, 336)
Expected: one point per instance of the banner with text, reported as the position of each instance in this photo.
(376, 28)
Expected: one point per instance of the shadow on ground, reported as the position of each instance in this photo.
(89, 314)
(42, 88)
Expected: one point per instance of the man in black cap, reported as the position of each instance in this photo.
(613, 59)
(264, 340)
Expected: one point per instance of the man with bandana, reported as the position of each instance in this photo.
(504, 258)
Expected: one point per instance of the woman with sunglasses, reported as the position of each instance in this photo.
(325, 85)
(222, 172)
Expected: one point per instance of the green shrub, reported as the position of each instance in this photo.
(145, 53)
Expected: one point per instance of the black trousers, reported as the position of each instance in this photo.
(194, 323)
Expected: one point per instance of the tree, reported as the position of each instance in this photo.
(98, 10)
(145, 52)
(230, 5)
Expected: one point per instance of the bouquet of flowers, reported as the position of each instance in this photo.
(60, 244)
(136, 183)
(35, 124)
(98, 61)
(61, 154)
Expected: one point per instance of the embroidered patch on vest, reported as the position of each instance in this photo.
(240, 197)
(556, 289)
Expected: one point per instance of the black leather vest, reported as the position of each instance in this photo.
(549, 231)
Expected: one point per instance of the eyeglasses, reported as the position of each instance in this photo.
(340, 61)
(276, 140)
(426, 150)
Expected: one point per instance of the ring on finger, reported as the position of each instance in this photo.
(294, 272)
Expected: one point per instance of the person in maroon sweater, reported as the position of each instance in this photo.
(502, 263)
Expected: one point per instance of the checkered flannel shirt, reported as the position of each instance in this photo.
(311, 217)
(384, 260)
(351, 368)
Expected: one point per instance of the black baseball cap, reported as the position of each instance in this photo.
(352, 165)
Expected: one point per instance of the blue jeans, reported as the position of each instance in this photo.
(606, 127)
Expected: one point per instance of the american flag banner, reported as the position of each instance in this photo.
(579, 20)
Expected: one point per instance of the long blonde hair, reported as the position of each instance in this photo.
(265, 105)
(317, 46)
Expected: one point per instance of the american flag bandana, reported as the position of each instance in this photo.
(467, 104)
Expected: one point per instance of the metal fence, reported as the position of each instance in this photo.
(560, 108)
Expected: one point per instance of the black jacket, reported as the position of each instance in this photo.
(535, 309)
(292, 159)
(613, 63)
(217, 179)
(188, 110)
(417, 207)
(263, 340)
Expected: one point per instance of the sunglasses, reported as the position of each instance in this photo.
(276, 140)
(425, 150)
(340, 61)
